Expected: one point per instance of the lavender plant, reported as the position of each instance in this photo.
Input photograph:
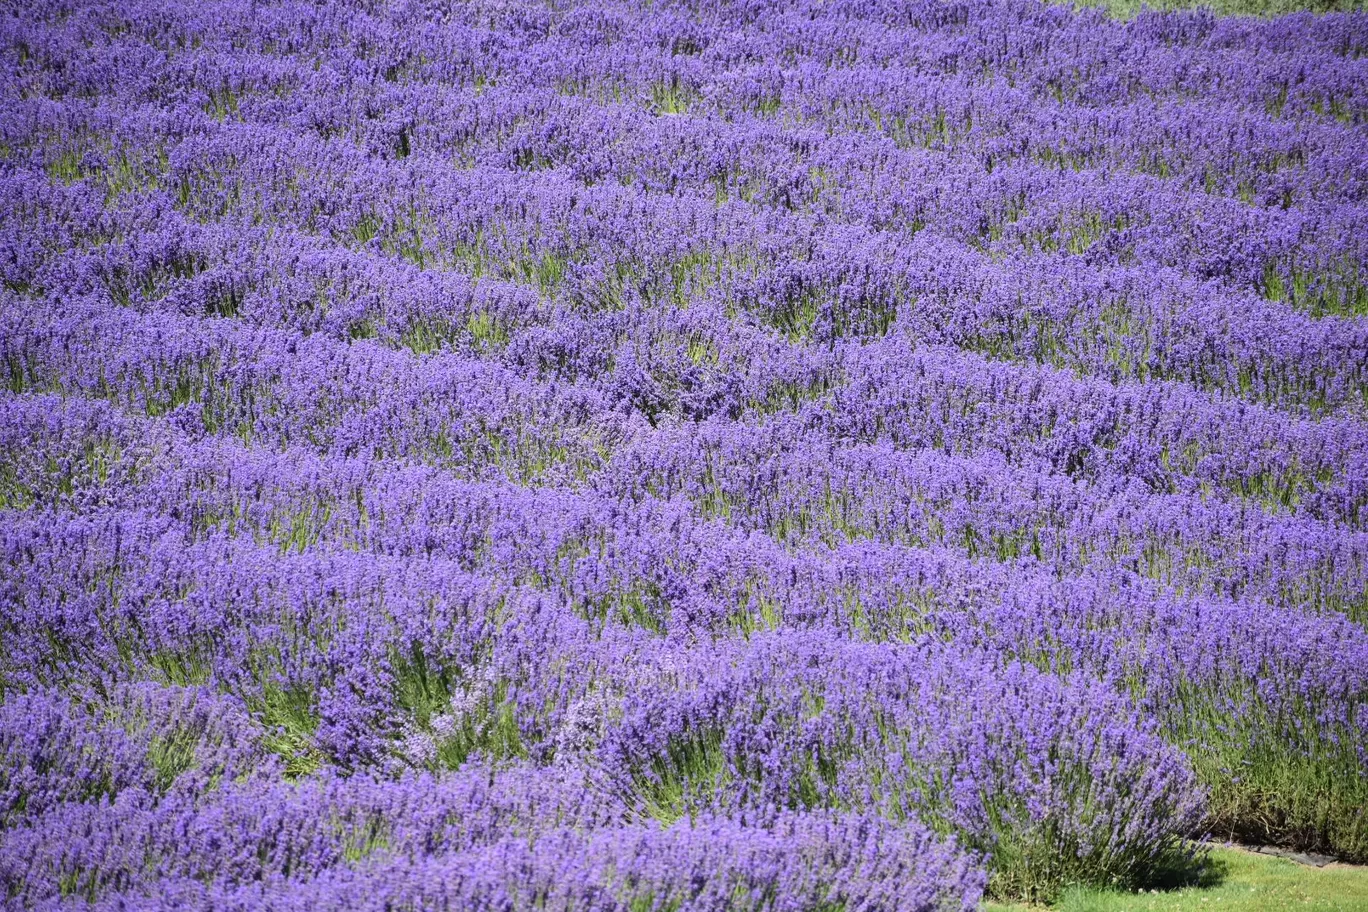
(492, 454)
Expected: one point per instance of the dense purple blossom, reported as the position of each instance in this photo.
(490, 454)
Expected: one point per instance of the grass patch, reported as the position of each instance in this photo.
(1238, 881)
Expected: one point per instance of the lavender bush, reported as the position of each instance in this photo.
(488, 454)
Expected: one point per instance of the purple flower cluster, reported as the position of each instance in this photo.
(801, 455)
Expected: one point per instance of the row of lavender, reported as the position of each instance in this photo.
(793, 456)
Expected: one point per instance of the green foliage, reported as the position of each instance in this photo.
(287, 708)
(90, 467)
(66, 167)
(300, 526)
(289, 713)
(172, 755)
(425, 336)
(362, 329)
(1272, 780)
(691, 766)
(123, 170)
(1039, 863)
(921, 129)
(223, 104)
(545, 270)
(361, 838)
(796, 317)
(186, 668)
(768, 105)
(366, 228)
(188, 382)
(485, 721)
(1338, 290)
(758, 612)
(629, 603)
(422, 688)
(672, 96)
(401, 233)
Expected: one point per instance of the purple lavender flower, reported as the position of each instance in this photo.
(496, 455)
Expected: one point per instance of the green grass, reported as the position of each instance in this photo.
(1239, 881)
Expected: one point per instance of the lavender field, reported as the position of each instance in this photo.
(674, 456)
